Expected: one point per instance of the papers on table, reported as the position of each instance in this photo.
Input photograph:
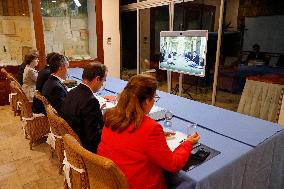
(175, 140)
(69, 89)
(103, 101)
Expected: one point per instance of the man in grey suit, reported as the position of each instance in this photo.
(82, 110)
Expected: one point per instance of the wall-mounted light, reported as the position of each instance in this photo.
(78, 4)
(53, 1)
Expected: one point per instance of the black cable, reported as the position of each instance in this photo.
(201, 17)
(183, 16)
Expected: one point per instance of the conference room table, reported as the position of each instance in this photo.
(251, 150)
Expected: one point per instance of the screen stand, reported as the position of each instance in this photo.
(179, 88)
(169, 80)
(180, 84)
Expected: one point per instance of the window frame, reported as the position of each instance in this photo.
(39, 35)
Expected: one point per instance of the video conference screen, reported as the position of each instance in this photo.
(184, 51)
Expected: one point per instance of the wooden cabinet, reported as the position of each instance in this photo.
(4, 85)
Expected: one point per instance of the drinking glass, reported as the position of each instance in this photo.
(168, 119)
(191, 128)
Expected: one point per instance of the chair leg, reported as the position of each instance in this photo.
(31, 145)
(51, 152)
(25, 132)
(65, 185)
(60, 168)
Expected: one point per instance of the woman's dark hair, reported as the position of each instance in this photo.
(30, 57)
(129, 108)
(56, 61)
(93, 70)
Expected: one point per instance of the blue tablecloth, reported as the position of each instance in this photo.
(252, 150)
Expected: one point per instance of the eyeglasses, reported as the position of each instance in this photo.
(157, 98)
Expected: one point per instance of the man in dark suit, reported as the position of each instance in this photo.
(82, 110)
(42, 77)
(54, 89)
(256, 55)
(188, 55)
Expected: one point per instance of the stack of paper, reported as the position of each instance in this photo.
(175, 140)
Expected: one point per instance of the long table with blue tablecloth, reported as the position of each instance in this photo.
(252, 150)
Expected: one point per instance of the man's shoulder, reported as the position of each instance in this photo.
(81, 91)
(43, 72)
(52, 83)
(82, 98)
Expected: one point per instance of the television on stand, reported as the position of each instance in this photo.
(184, 51)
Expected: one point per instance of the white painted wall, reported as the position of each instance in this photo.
(110, 16)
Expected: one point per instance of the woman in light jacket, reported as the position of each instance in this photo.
(30, 75)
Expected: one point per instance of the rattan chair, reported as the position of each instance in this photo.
(45, 103)
(13, 97)
(58, 127)
(39, 96)
(35, 125)
(102, 172)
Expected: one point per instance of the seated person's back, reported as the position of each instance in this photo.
(43, 76)
(54, 89)
(82, 110)
(21, 73)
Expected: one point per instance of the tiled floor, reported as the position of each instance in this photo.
(20, 167)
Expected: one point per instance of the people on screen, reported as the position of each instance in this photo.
(188, 56)
(30, 75)
(54, 89)
(43, 76)
(170, 59)
(195, 58)
(82, 110)
(137, 143)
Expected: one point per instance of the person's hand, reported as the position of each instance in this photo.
(169, 134)
(193, 138)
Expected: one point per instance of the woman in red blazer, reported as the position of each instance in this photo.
(137, 143)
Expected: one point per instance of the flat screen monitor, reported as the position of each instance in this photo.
(184, 51)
